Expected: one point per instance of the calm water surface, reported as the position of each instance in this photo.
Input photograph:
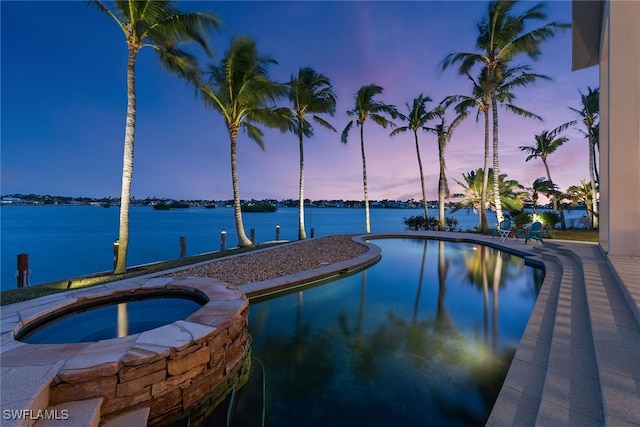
(113, 320)
(68, 241)
(422, 338)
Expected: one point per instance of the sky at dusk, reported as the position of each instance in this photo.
(63, 102)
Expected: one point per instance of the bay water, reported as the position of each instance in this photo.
(68, 241)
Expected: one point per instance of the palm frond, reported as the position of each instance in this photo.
(169, 26)
(104, 9)
(563, 127)
(345, 133)
(254, 133)
(179, 62)
(466, 60)
(322, 122)
(381, 120)
(400, 130)
(522, 112)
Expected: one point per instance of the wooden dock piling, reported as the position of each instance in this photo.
(23, 270)
(183, 246)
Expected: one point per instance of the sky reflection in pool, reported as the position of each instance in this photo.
(421, 338)
(113, 320)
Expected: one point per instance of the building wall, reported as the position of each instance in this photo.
(620, 129)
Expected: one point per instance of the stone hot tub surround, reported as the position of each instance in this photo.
(171, 369)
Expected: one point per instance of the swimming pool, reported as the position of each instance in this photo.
(424, 337)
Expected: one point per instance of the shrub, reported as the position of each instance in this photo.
(521, 219)
(451, 223)
(551, 218)
(418, 222)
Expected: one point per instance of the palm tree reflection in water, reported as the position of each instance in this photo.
(377, 348)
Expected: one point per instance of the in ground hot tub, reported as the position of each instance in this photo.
(112, 317)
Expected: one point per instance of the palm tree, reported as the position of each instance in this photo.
(472, 196)
(481, 100)
(501, 37)
(563, 203)
(160, 26)
(510, 192)
(547, 143)
(367, 107)
(417, 118)
(310, 93)
(584, 194)
(506, 81)
(589, 113)
(540, 185)
(240, 90)
(444, 134)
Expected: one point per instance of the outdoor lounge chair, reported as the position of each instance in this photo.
(536, 233)
(501, 229)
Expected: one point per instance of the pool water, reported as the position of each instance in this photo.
(424, 337)
(111, 320)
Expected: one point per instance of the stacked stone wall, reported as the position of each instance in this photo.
(180, 370)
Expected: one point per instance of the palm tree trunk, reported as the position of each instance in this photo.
(553, 198)
(243, 240)
(442, 182)
(496, 165)
(496, 162)
(595, 163)
(594, 193)
(424, 193)
(367, 221)
(484, 226)
(301, 233)
(127, 164)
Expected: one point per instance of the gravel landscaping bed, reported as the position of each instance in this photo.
(278, 261)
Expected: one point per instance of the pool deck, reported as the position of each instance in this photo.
(578, 362)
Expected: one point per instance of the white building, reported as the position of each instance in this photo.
(607, 33)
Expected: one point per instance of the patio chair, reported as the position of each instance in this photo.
(536, 233)
(505, 225)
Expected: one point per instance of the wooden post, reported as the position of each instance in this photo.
(252, 234)
(313, 232)
(23, 270)
(223, 239)
(115, 254)
(183, 246)
(277, 232)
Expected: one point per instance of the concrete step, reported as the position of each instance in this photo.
(85, 413)
(520, 395)
(616, 335)
(135, 418)
(571, 392)
(24, 388)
